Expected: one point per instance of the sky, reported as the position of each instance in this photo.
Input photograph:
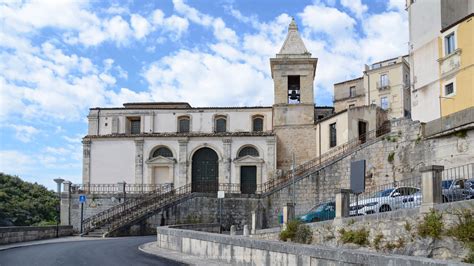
(60, 58)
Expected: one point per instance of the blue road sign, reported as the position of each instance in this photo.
(82, 198)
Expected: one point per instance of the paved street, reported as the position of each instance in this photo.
(114, 251)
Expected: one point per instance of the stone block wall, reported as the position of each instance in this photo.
(410, 153)
(14, 234)
(396, 232)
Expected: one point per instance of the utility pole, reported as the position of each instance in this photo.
(293, 174)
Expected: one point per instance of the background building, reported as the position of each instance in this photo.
(427, 19)
(384, 84)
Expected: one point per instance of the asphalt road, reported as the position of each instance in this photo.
(114, 252)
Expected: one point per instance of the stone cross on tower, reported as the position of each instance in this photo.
(293, 72)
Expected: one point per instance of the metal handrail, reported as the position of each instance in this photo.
(116, 188)
(328, 157)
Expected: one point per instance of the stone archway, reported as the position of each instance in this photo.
(205, 170)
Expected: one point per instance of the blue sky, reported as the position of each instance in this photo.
(59, 58)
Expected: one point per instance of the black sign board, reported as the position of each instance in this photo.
(358, 176)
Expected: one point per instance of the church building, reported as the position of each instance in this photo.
(174, 143)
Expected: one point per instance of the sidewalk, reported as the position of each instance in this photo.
(153, 249)
(47, 241)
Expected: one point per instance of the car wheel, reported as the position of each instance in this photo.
(385, 208)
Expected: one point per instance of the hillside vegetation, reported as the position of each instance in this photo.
(24, 203)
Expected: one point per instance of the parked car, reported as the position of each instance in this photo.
(459, 189)
(383, 201)
(320, 212)
(412, 201)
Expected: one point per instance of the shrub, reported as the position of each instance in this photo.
(377, 240)
(463, 231)
(432, 225)
(359, 237)
(290, 230)
(303, 235)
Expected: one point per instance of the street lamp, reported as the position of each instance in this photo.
(58, 181)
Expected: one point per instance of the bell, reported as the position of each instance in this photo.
(293, 95)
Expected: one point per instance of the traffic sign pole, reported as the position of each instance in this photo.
(82, 214)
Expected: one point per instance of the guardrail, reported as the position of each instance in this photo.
(457, 183)
(88, 188)
(330, 156)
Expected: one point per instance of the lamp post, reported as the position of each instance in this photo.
(58, 181)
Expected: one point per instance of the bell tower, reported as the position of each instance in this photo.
(293, 70)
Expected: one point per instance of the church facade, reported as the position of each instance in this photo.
(173, 143)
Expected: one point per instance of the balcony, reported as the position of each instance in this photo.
(450, 63)
(383, 85)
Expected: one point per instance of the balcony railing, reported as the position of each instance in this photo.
(383, 85)
(118, 188)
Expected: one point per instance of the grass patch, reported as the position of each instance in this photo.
(407, 226)
(391, 157)
(432, 225)
(359, 237)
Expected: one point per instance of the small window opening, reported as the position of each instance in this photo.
(257, 124)
(332, 135)
(251, 151)
(221, 124)
(134, 125)
(183, 124)
(294, 96)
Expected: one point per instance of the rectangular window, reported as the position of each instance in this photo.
(134, 126)
(383, 80)
(332, 135)
(449, 44)
(352, 91)
(384, 102)
(448, 89)
(183, 125)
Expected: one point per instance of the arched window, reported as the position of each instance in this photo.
(248, 151)
(162, 151)
(183, 124)
(220, 124)
(257, 124)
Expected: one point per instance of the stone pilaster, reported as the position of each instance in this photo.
(65, 208)
(86, 161)
(342, 204)
(139, 160)
(271, 157)
(431, 190)
(182, 163)
(227, 142)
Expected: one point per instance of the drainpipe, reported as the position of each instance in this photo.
(319, 143)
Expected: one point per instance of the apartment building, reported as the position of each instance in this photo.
(435, 91)
(384, 84)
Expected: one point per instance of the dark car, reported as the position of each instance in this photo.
(321, 212)
(460, 189)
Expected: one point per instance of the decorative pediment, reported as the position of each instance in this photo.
(160, 160)
(248, 160)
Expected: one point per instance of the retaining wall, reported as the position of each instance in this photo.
(239, 250)
(13, 234)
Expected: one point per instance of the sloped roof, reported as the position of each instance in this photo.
(293, 45)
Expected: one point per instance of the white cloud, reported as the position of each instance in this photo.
(319, 18)
(24, 133)
(140, 26)
(355, 6)
(14, 162)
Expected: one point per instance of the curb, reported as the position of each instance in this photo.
(41, 242)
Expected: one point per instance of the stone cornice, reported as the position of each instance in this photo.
(181, 135)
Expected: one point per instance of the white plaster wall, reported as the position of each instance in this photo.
(425, 21)
(342, 131)
(148, 146)
(112, 161)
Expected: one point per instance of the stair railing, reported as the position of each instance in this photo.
(326, 158)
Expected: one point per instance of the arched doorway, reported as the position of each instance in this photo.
(205, 171)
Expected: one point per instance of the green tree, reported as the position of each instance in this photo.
(23, 203)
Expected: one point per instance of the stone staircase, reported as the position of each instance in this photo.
(137, 209)
(133, 210)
